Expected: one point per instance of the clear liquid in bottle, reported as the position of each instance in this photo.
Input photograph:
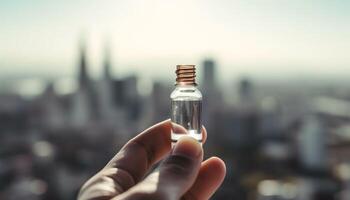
(186, 119)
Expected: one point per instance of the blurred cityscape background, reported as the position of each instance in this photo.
(80, 78)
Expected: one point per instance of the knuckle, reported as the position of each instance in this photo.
(122, 179)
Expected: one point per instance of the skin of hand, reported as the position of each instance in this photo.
(181, 175)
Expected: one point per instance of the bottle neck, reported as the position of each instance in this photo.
(186, 86)
(186, 92)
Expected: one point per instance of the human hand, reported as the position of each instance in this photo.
(182, 174)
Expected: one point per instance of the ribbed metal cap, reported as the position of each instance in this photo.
(185, 75)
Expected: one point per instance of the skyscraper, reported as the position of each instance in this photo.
(212, 98)
(83, 75)
(82, 104)
(107, 63)
(246, 90)
(209, 75)
(105, 91)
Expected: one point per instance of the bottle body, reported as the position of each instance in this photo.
(186, 111)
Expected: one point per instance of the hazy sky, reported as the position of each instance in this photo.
(245, 36)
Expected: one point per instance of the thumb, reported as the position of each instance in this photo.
(175, 175)
(179, 171)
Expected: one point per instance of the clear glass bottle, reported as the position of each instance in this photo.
(186, 105)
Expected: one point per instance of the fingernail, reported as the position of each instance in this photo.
(187, 146)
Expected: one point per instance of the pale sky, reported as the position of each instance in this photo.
(146, 36)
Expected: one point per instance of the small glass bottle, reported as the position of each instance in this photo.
(186, 105)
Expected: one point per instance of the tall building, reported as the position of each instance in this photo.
(212, 98)
(208, 79)
(245, 90)
(82, 102)
(247, 100)
(105, 92)
(107, 63)
(83, 75)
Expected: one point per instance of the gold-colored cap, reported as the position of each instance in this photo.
(186, 75)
